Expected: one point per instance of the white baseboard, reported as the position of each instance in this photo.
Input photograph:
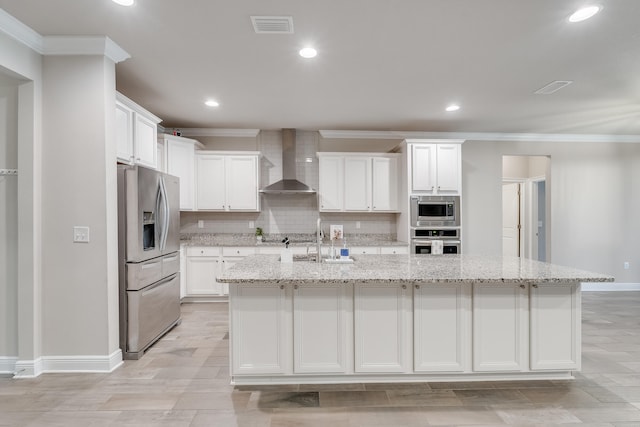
(607, 287)
(57, 364)
(8, 365)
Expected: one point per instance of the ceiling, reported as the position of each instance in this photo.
(381, 64)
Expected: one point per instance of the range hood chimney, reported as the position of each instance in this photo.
(288, 184)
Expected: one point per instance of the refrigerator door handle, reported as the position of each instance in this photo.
(162, 205)
(167, 222)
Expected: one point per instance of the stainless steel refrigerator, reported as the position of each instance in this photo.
(149, 259)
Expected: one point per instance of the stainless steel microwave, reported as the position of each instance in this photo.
(443, 211)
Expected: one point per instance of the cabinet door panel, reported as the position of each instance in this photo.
(210, 194)
(381, 329)
(442, 323)
(357, 184)
(555, 326)
(124, 133)
(260, 318)
(448, 168)
(320, 328)
(201, 276)
(145, 141)
(180, 162)
(423, 164)
(500, 339)
(331, 183)
(242, 183)
(385, 184)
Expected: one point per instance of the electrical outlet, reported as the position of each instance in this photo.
(200, 223)
(626, 265)
(252, 224)
(358, 224)
(80, 234)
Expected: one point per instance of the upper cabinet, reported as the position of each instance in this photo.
(358, 182)
(435, 167)
(136, 133)
(227, 181)
(178, 160)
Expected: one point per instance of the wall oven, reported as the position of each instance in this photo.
(440, 211)
(422, 239)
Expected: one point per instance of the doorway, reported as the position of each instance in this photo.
(525, 207)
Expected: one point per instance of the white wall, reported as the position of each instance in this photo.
(594, 212)
(8, 218)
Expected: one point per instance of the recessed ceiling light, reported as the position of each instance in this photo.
(584, 13)
(212, 103)
(452, 107)
(124, 2)
(308, 52)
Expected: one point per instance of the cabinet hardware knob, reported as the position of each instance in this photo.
(522, 286)
(404, 286)
(417, 286)
(535, 286)
(281, 286)
(295, 286)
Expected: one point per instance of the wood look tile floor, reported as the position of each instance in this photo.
(183, 380)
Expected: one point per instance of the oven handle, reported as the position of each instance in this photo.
(428, 242)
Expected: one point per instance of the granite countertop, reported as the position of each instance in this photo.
(204, 239)
(406, 269)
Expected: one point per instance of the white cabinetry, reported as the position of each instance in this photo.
(136, 133)
(500, 327)
(179, 160)
(363, 182)
(262, 328)
(442, 327)
(555, 326)
(381, 327)
(435, 167)
(226, 181)
(203, 265)
(321, 328)
(331, 188)
(230, 256)
(391, 250)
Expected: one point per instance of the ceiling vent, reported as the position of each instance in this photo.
(553, 87)
(272, 24)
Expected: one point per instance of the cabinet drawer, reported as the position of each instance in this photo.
(389, 250)
(203, 251)
(363, 250)
(238, 250)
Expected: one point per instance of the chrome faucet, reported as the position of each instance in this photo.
(319, 240)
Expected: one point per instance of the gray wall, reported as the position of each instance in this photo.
(594, 214)
(8, 217)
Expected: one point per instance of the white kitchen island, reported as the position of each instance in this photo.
(403, 318)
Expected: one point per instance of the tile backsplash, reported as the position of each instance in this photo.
(282, 214)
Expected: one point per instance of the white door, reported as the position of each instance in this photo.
(357, 183)
(210, 194)
(201, 275)
(384, 190)
(145, 140)
(331, 183)
(423, 163)
(441, 327)
(124, 133)
(320, 328)
(381, 327)
(447, 170)
(511, 219)
(242, 183)
(500, 325)
(180, 162)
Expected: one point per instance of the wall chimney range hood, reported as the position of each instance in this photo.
(288, 184)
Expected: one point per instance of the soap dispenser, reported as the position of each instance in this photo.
(286, 256)
(344, 252)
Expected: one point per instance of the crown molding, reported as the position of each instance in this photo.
(479, 136)
(90, 45)
(20, 32)
(238, 133)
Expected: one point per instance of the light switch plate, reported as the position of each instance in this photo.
(200, 223)
(81, 234)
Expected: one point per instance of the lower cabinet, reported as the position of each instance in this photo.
(555, 326)
(442, 327)
(203, 265)
(381, 327)
(500, 323)
(321, 328)
(261, 329)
